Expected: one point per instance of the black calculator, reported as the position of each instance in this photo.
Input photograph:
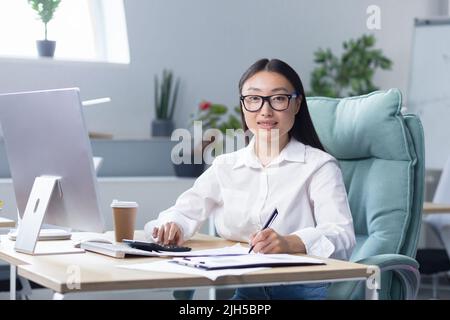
(150, 246)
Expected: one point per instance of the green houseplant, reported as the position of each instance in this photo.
(165, 102)
(217, 116)
(210, 116)
(45, 10)
(352, 73)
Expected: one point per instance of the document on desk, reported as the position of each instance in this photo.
(235, 250)
(213, 267)
(247, 261)
(171, 267)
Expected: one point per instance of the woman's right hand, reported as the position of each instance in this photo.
(169, 233)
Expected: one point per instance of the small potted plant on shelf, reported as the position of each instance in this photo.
(45, 9)
(165, 102)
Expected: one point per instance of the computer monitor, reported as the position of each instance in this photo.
(47, 146)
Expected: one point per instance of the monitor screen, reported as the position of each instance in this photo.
(45, 134)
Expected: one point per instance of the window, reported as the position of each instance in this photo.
(84, 30)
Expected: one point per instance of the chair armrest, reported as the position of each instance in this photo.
(406, 268)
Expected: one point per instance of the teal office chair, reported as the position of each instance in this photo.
(381, 154)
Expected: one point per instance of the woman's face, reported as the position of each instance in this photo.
(268, 123)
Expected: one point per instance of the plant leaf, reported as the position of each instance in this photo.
(174, 99)
(157, 102)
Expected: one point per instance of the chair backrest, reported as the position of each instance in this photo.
(381, 154)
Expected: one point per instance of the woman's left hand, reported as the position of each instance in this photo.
(268, 241)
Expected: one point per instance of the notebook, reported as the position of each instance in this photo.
(115, 250)
(123, 250)
(247, 261)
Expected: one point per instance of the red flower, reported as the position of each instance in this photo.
(205, 105)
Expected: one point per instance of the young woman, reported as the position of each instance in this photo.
(284, 167)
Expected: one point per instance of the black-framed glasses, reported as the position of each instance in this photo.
(278, 102)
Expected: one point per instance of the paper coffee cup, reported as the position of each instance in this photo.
(124, 218)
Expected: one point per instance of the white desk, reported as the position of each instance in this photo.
(100, 273)
(435, 208)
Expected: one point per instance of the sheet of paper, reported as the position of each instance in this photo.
(237, 249)
(171, 267)
(250, 260)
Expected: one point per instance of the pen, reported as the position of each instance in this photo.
(189, 263)
(267, 224)
(187, 259)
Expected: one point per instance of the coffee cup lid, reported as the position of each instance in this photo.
(123, 204)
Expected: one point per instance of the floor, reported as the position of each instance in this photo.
(44, 294)
(425, 293)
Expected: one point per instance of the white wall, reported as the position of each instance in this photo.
(209, 43)
(153, 194)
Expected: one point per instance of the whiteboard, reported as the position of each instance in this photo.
(429, 87)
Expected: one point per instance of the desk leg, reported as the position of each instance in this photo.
(58, 296)
(371, 289)
(26, 291)
(212, 294)
(12, 282)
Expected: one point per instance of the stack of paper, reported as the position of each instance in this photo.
(216, 266)
(247, 261)
(235, 250)
(170, 267)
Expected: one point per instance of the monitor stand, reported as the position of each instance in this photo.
(28, 231)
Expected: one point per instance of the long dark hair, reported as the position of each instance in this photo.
(303, 128)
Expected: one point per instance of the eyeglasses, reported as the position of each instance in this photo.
(278, 102)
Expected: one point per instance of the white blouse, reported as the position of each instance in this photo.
(303, 183)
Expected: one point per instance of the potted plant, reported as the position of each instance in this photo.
(165, 102)
(211, 116)
(45, 9)
(352, 73)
